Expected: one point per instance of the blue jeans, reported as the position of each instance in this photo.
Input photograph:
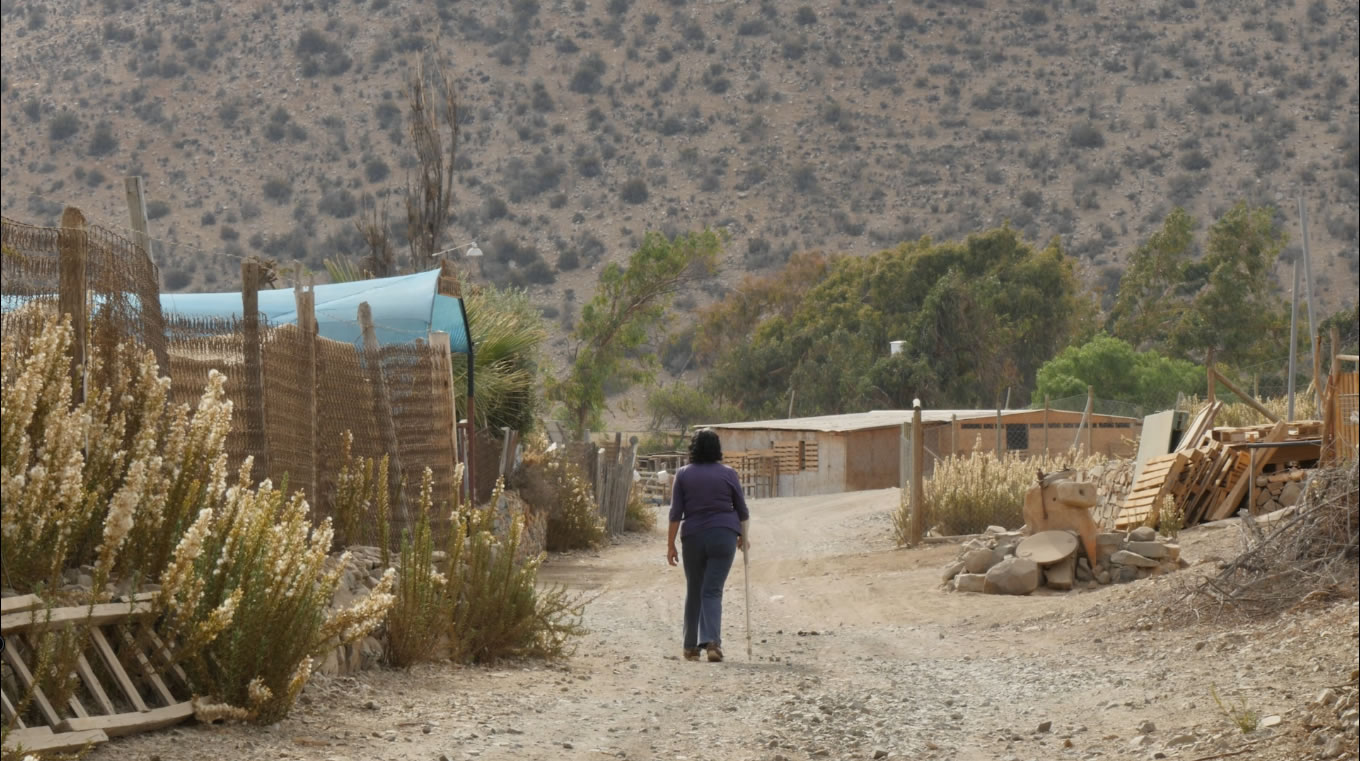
(708, 557)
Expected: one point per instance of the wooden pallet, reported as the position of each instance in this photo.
(1145, 497)
(126, 680)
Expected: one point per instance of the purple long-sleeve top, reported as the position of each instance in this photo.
(707, 495)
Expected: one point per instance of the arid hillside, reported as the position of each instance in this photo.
(840, 126)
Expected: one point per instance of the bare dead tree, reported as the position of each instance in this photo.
(429, 195)
(372, 227)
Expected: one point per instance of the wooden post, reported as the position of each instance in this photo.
(257, 443)
(1209, 374)
(72, 253)
(305, 301)
(624, 487)
(1045, 425)
(600, 478)
(373, 359)
(1090, 420)
(1317, 373)
(903, 459)
(1248, 398)
(1331, 419)
(136, 203)
(505, 450)
(439, 344)
(999, 449)
(918, 490)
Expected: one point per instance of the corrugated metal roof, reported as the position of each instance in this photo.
(862, 421)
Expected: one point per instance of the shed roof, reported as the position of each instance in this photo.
(405, 308)
(862, 421)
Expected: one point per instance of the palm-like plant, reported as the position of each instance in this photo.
(507, 332)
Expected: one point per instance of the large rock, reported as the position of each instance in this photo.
(952, 570)
(1013, 576)
(970, 582)
(1143, 534)
(1289, 495)
(1153, 550)
(1061, 575)
(1132, 560)
(979, 561)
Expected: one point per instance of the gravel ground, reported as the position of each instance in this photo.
(857, 653)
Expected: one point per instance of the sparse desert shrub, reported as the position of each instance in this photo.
(422, 608)
(498, 611)
(1194, 161)
(524, 179)
(376, 170)
(555, 488)
(805, 16)
(586, 80)
(63, 125)
(1085, 135)
(157, 209)
(103, 142)
(340, 204)
(804, 178)
(320, 54)
(638, 516)
(634, 191)
(278, 190)
(229, 111)
(176, 279)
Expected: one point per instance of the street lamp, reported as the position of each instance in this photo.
(472, 250)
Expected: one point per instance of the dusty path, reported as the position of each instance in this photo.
(857, 653)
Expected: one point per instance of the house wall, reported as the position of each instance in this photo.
(1111, 436)
(827, 478)
(872, 459)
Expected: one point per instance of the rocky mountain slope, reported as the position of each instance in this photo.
(843, 126)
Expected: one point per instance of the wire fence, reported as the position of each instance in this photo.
(294, 394)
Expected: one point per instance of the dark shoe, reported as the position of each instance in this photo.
(692, 654)
(714, 654)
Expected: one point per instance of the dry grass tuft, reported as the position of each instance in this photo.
(968, 493)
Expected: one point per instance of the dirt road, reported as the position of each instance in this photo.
(857, 654)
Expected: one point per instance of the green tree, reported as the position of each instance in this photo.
(626, 309)
(1152, 291)
(1226, 299)
(1239, 311)
(674, 408)
(976, 316)
(1118, 371)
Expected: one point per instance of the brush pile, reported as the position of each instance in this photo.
(1298, 555)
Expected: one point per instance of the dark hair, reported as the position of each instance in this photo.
(705, 447)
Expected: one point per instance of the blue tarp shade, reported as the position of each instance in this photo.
(405, 308)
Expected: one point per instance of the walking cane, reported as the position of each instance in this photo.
(746, 576)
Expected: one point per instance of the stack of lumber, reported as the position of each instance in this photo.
(1208, 475)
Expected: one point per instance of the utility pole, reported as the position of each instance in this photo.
(1308, 286)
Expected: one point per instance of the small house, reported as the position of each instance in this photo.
(830, 454)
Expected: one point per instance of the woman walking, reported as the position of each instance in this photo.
(709, 514)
